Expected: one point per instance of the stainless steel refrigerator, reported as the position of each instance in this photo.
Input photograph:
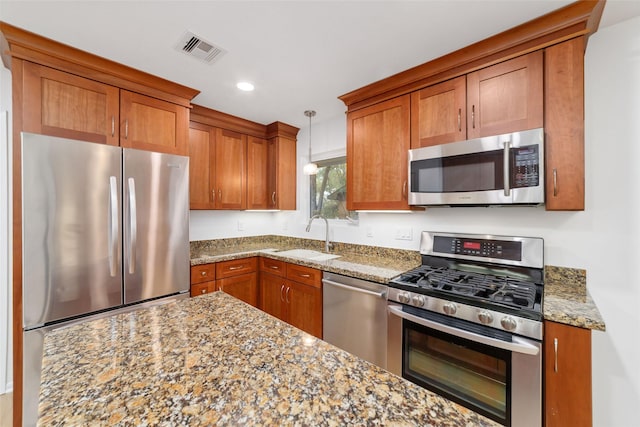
(104, 228)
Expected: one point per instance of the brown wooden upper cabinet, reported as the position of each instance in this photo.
(281, 170)
(378, 138)
(68, 106)
(217, 168)
(257, 173)
(503, 98)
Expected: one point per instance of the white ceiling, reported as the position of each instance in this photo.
(299, 54)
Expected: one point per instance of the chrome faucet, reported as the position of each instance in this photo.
(327, 244)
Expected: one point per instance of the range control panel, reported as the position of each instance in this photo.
(498, 249)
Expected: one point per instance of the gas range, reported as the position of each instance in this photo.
(493, 281)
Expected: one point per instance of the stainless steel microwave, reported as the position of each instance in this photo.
(496, 170)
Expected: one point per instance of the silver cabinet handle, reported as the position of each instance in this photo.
(113, 226)
(113, 125)
(517, 344)
(555, 358)
(306, 276)
(404, 189)
(236, 267)
(213, 195)
(459, 119)
(473, 116)
(505, 167)
(555, 182)
(133, 225)
(282, 293)
(287, 295)
(275, 267)
(382, 295)
(220, 196)
(273, 198)
(126, 129)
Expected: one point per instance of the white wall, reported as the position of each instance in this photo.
(603, 239)
(6, 365)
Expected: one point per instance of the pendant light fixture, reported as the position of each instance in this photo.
(310, 168)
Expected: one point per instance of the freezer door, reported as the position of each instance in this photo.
(156, 224)
(71, 225)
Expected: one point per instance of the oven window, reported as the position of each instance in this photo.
(475, 375)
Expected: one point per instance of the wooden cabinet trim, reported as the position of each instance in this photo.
(574, 20)
(29, 46)
(218, 119)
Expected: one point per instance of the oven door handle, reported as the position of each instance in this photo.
(518, 345)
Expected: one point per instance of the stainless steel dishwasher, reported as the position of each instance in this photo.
(355, 316)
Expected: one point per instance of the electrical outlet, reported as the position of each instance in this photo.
(369, 231)
(240, 225)
(404, 233)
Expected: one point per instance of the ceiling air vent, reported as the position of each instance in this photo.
(195, 46)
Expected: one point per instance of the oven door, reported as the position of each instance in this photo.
(502, 169)
(491, 372)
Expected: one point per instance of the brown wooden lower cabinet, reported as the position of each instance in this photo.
(244, 287)
(567, 375)
(297, 303)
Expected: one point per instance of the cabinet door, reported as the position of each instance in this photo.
(567, 389)
(305, 307)
(505, 97)
(378, 138)
(438, 113)
(201, 167)
(153, 125)
(282, 173)
(257, 173)
(64, 105)
(564, 125)
(272, 290)
(243, 287)
(231, 170)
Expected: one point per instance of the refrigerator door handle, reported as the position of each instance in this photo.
(132, 225)
(113, 226)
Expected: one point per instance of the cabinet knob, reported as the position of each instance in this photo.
(203, 273)
(203, 291)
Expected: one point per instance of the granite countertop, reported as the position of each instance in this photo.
(371, 263)
(566, 299)
(216, 360)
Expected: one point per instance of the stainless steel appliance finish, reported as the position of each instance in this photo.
(497, 170)
(473, 311)
(355, 317)
(102, 227)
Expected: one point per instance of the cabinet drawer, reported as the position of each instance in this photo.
(203, 273)
(236, 267)
(272, 266)
(202, 288)
(306, 275)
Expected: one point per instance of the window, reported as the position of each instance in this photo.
(328, 190)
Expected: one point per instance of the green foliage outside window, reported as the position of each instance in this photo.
(329, 190)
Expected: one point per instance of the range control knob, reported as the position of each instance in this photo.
(508, 323)
(450, 308)
(485, 317)
(418, 300)
(404, 297)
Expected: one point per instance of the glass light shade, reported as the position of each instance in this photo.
(310, 169)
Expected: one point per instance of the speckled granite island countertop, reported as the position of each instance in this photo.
(566, 299)
(371, 263)
(214, 360)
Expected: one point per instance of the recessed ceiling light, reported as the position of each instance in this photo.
(245, 86)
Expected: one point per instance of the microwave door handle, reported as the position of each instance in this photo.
(517, 345)
(505, 168)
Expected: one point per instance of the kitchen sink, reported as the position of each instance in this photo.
(308, 254)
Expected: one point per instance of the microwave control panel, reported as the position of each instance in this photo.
(498, 249)
(526, 167)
